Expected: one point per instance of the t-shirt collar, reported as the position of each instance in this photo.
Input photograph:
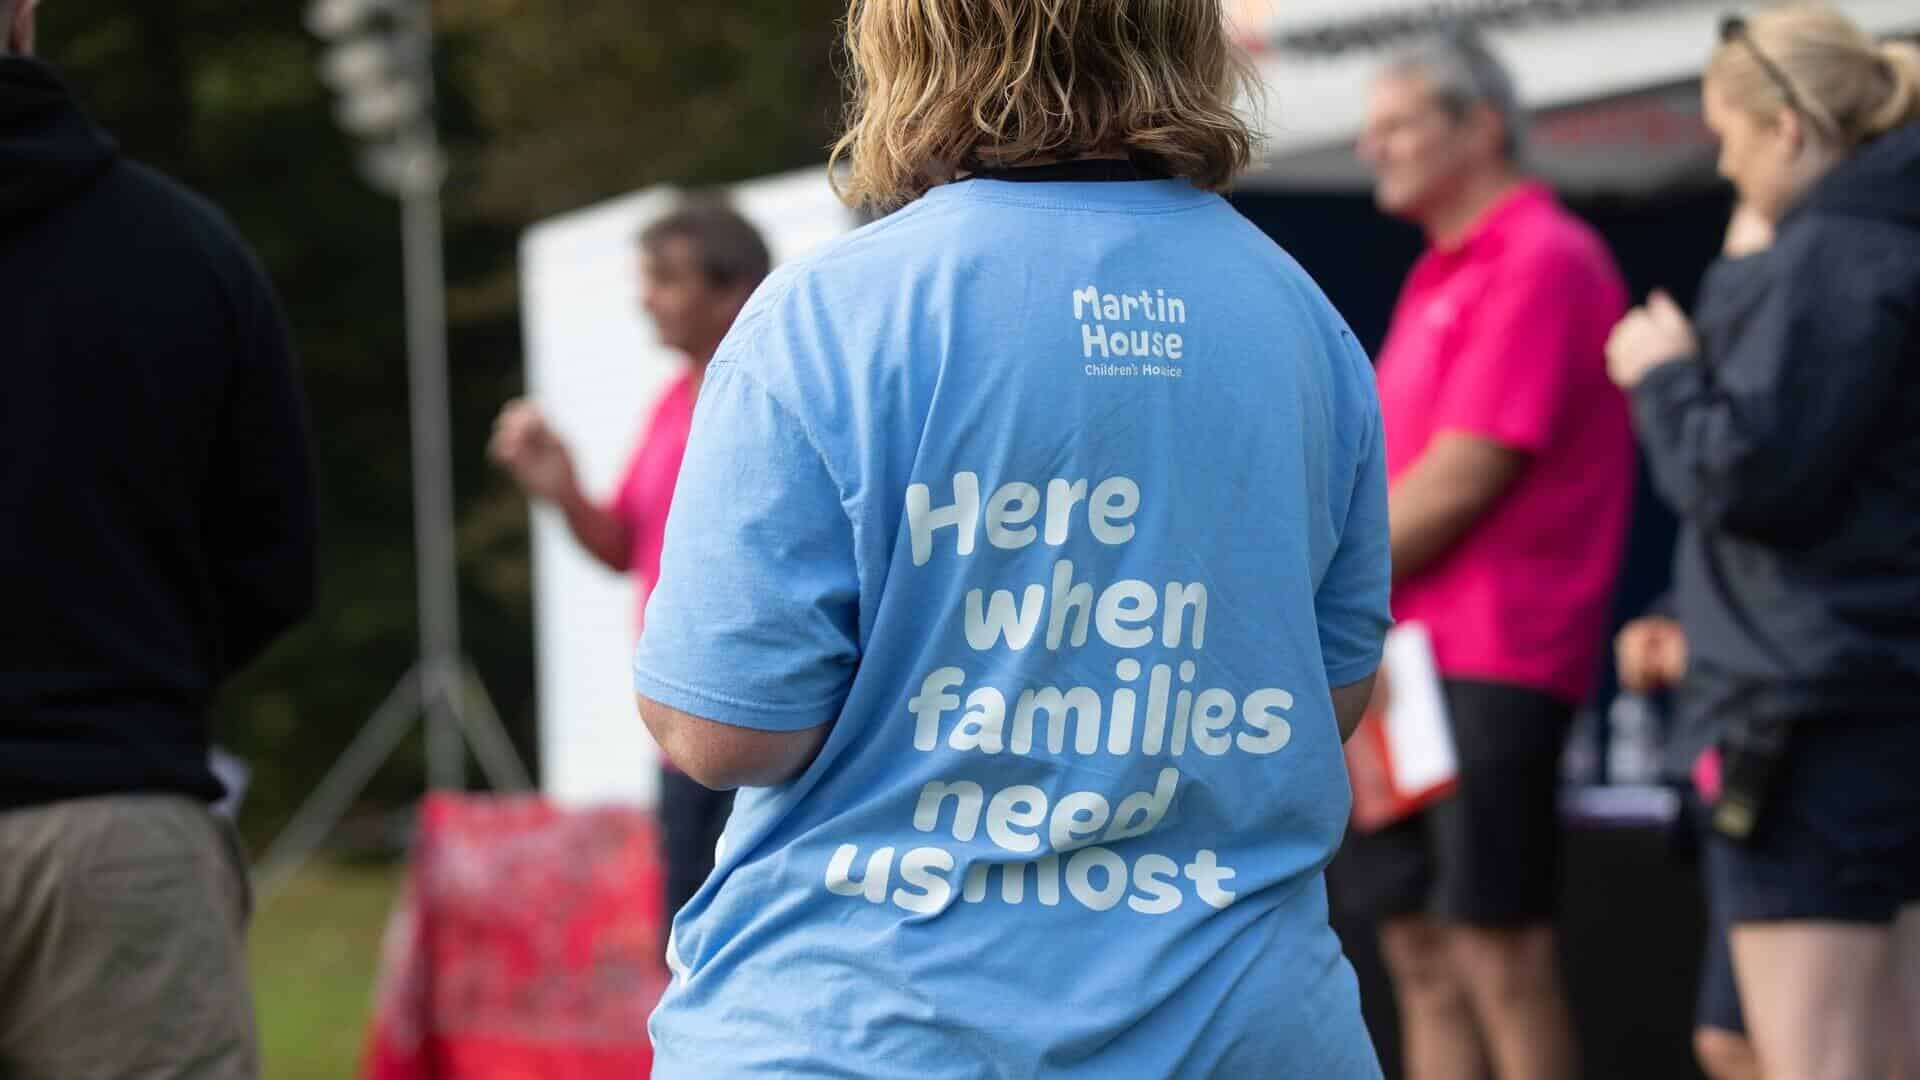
(1125, 195)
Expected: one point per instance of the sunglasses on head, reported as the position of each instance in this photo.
(1734, 28)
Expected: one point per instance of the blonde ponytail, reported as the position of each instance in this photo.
(1851, 88)
(1901, 60)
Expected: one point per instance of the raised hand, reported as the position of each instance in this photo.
(530, 451)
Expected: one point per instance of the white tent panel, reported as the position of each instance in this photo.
(595, 369)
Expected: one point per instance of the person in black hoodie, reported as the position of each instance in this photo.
(156, 533)
(1783, 424)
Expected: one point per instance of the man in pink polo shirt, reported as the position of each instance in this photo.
(1510, 461)
(698, 265)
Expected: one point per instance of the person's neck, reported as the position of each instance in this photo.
(1449, 225)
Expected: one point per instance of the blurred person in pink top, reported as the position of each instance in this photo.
(1510, 458)
(698, 265)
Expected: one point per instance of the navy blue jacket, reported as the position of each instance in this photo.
(1791, 452)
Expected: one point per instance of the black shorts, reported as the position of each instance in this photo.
(1488, 855)
(1838, 836)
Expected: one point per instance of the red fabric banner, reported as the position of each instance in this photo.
(528, 942)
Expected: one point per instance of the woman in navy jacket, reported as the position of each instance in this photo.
(1783, 424)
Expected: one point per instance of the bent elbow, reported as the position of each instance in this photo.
(706, 763)
(709, 771)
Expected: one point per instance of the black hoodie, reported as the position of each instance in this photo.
(1792, 453)
(156, 500)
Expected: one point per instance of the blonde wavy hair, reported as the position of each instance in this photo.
(936, 87)
(1850, 88)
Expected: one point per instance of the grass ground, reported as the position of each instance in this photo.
(315, 950)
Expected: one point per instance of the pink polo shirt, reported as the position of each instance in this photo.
(646, 491)
(1503, 337)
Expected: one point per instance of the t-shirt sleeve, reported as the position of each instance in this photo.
(1516, 356)
(1352, 603)
(754, 622)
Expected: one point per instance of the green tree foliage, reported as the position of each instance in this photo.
(545, 107)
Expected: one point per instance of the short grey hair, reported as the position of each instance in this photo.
(1464, 73)
(730, 251)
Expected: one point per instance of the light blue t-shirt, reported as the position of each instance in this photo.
(1065, 504)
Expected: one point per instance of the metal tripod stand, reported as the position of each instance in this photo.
(391, 93)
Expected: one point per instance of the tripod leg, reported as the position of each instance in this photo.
(481, 723)
(348, 777)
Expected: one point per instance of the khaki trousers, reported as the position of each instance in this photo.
(123, 943)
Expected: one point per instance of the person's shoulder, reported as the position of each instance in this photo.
(922, 227)
(185, 226)
(1241, 237)
(1553, 243)
(803, 291)
(1549, 229)
(190, 211)
(1279, 275)
(1279, 293)
(1276, 285)
(884, 246)
(1849, 245)
(187, 246)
